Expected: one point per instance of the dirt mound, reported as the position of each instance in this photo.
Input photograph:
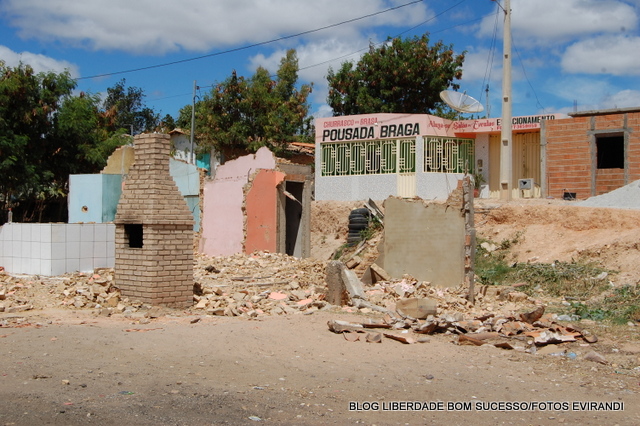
(575, 218)
(329, 226)
(545, 233)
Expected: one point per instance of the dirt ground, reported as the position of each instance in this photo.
(66, 366)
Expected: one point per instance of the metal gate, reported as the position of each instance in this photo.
(525, 164)
(406, 179)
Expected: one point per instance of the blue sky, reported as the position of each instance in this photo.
(585, 52)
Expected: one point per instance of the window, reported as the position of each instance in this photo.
(368, 157)
(448, 155)
(610, 151)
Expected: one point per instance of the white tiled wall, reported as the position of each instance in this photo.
(56, 248)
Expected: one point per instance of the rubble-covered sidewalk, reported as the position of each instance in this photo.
(263, 284)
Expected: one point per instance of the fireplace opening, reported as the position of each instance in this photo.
(133, 233)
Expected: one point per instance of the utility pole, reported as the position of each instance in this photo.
(193, 121)
(505, 135)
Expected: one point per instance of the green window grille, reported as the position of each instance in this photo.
(448, 155)
(368, 157)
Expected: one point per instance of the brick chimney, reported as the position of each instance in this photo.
(154, 230)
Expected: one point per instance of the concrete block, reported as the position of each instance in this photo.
(352, 283)
(419, 308)
(336, 295)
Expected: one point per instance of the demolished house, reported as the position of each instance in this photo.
(256, 202)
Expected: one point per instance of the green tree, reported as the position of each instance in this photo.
(46, 134)
(167, 124)
(28, 103)
(400, 76)
(83, 137)
(124, 108)
(241, 115)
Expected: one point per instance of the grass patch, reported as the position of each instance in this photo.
(340, 251)
(586, 283)
(569, 279)
(618, 305)
(372, 230)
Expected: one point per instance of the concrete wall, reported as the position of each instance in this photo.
(425, 240)
(187, 178)
(349, 188)
(120, 161)
(56, 248)
(93, 198)
(223, 219)
(100, 192)
(436, 186)
(482, 161)
(571, 154)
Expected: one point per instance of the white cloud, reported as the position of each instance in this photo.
(622, 99)
(480, 64)
(592, 94)
(38, 62)
(323, 111)
(160, 26)
(616, 55)
(553, 21)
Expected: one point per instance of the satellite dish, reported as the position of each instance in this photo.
(461, 101)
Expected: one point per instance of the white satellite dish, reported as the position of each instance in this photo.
(461, 101)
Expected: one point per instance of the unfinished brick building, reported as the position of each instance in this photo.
(591, 153)
(154, 230)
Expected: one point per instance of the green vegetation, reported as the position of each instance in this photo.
(240, 115)
(618, 305)
(372, 230)
(401, 76)
(340, 251)
(47, 133)
(584, 283)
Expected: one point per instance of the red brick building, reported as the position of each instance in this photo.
(591, 153)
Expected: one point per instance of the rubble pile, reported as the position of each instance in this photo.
(264, 284)
(259, 284)
(524, 332)
(500, 301)
(22, 292)
(249, 285)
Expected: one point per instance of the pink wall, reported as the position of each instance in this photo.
(223, 219)
(261, 208)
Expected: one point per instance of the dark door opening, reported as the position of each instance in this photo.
(293, 214)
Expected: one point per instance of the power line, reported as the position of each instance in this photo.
(524, 71)
(365, 48)
(262, 43)
(490, 58)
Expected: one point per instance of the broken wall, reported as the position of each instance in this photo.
(223, 219)
(256, 203)
(425, 240)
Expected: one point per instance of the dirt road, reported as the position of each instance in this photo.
(75, 366)
(60, 367)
